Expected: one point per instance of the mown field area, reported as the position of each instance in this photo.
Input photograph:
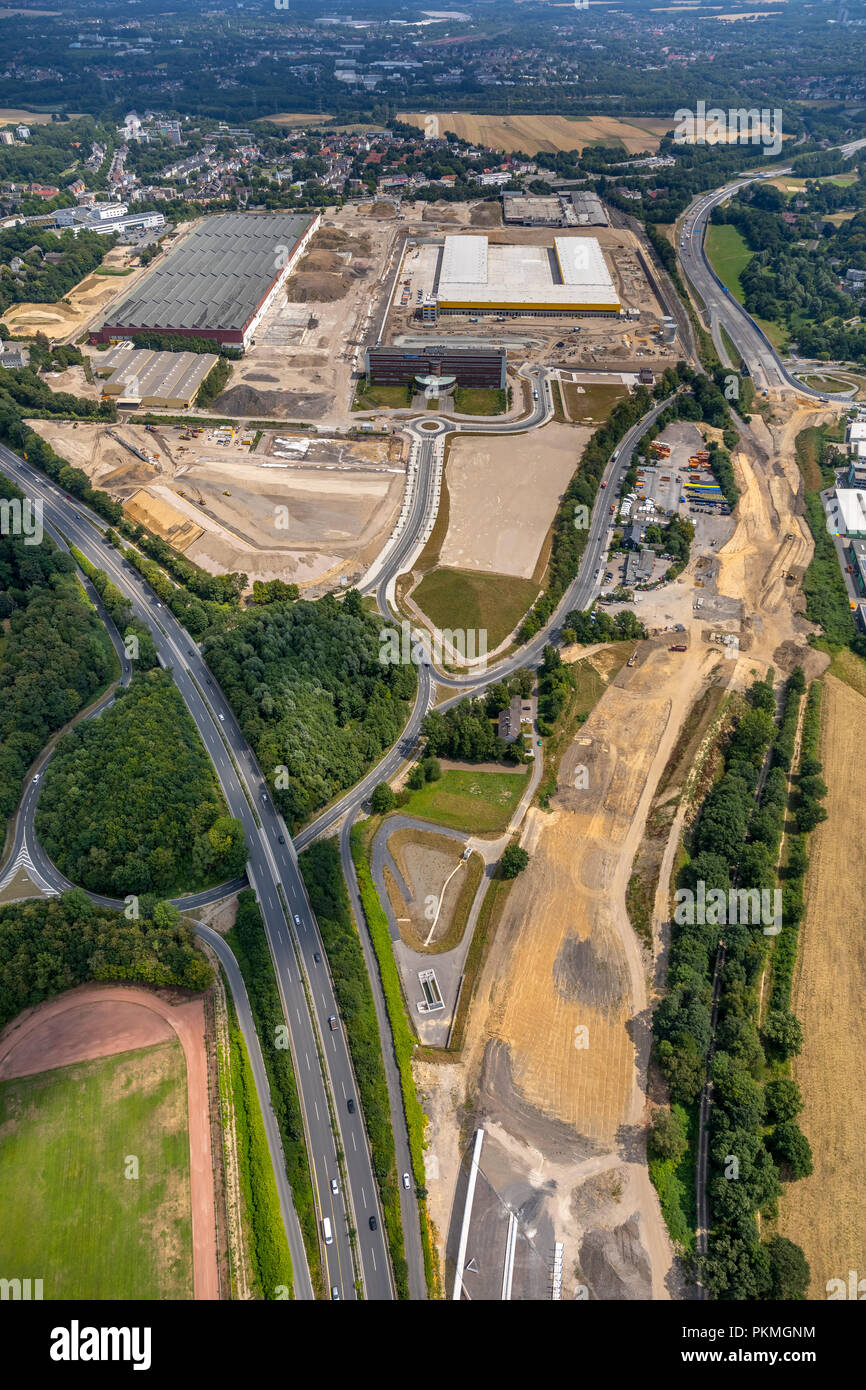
(471, 601)
(729, 254)
(480, 802)
(71, 1216)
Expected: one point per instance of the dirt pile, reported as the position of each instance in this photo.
(318, 287)
(335, 239)
(243, 402)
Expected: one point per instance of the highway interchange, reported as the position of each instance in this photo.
(321, 1058)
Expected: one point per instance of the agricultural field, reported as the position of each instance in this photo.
(71, 1215)
(823, 1212)
(530, 134)
(479, 802)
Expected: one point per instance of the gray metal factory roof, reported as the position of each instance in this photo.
(218, 275)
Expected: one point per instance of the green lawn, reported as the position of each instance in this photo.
(480, 802)
(467, 600)
(112, 270)
(479, 400)
(729, 255)
(388, 397)
(70, 1215)
(594, 403)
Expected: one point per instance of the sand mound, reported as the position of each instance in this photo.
(335, 239)
(381, 210)
(486, 215)
(322, 259)
(439, 212)
(317, 287)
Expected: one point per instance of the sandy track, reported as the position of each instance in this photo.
(824, 1213)
(101, 1020)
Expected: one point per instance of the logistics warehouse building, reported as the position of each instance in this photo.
(569, 278)
(218, 282)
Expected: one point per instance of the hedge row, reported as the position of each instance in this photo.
(269, 1249)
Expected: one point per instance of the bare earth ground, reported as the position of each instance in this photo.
(87, 302)
(503, 497)
(306, 522)
(99, 1020)
(572, 1119)
(530, 133)
(824, 1213)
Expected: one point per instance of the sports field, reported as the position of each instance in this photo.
(71, 1215)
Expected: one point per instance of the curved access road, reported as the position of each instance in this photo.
(722, 310)
(323, 1067)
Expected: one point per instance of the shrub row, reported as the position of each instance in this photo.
(268, 1247)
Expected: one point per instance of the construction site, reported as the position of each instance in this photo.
(306, 509)
(554, 1068)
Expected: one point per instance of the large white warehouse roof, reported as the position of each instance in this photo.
(569, 276)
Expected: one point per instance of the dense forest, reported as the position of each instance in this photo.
(39, 280)
(55, 654)
(130, 802)
(311, 695)
(735, 844)
(49, 946)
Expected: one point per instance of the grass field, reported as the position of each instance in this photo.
(592, 404)
(729, 255)
(479, 400)
(70, 1215)
(825, 383)
(480, 802)
(468, 600)
(369, 397)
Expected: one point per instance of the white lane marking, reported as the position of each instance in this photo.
(316, 1109)
(373, 1257)
(354, 1145)
(343, 1088)
(307, 1055)
(363, 1196)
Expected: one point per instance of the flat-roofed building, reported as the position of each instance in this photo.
(849, 514)
(167, 379)
(483, 365)
(564, 280)
(218, 283)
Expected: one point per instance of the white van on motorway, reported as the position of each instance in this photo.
(326, 1230)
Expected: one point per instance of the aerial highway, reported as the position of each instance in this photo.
(291, 930)
(723, 310)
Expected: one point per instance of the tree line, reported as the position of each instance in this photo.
(735, 843)
(48, 946)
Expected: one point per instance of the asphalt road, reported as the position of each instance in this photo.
(292, 935)
(722, 309)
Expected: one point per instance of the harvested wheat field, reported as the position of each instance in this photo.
(824, 1213)
(530, 134)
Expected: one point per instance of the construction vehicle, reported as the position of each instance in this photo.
(632, 659)
(678, 647)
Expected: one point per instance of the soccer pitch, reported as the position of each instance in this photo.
(74, 1213)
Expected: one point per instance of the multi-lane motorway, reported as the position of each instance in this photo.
(292, 933)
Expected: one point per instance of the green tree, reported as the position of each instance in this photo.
(514, 860)
(382, 799)
(789, 1270)
(667, 1137)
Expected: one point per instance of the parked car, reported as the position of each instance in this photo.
(406, 1182)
